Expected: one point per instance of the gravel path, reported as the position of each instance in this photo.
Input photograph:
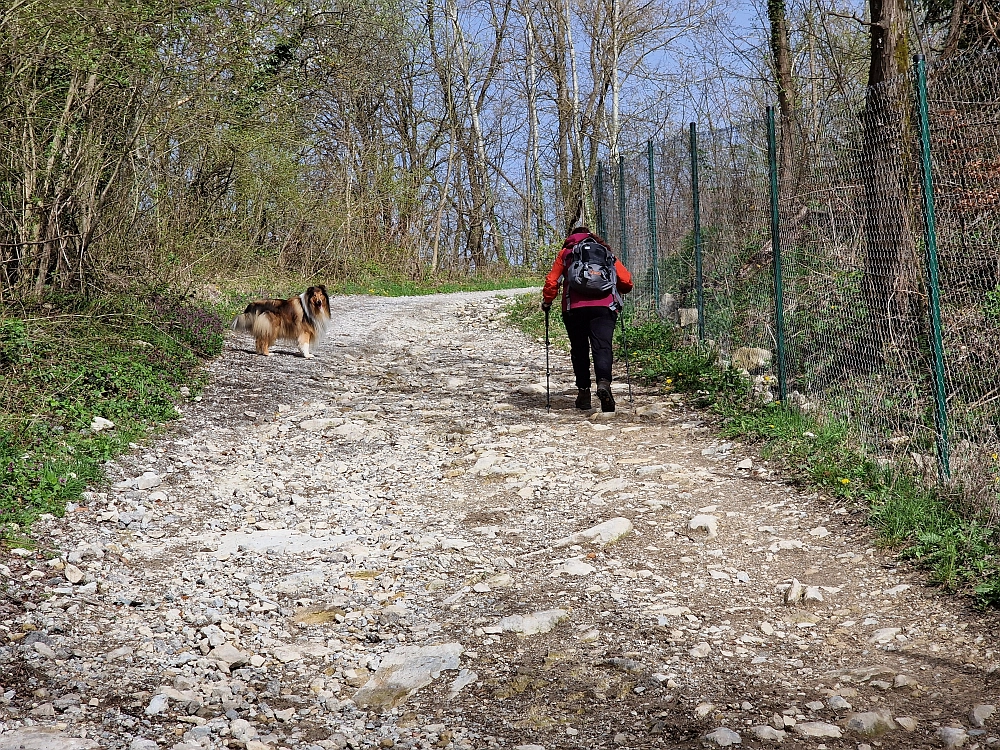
(393, 545)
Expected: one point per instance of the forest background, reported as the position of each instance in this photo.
(170, 143)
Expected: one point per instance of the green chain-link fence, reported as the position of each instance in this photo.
(889, 274)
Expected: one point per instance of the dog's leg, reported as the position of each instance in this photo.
(304, 347)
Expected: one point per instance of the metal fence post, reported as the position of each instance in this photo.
(937, 347)
(696, 208)
(651, 210)
(779, 303)
(621, 209)
(600, 198)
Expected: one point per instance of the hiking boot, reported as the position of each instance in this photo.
(583, 398)
(604, 393)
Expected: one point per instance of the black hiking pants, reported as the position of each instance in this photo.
(590, 329)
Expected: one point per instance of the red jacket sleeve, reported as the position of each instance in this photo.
(624, 278)
(551, 288)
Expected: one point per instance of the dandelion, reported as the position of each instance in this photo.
(844, 480)
(671, 380)
(995, 456)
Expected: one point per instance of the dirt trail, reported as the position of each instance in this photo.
(375, 549)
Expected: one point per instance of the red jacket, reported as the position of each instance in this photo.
(570, 298)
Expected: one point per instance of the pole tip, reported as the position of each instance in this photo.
(919, 57)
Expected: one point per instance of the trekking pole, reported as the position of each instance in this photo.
(628, 375)
(548, 402)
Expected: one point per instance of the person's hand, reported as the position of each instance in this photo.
(546, 306)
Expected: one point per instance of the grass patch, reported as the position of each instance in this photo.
(370, 282)
(657, 355)
(65, 362)
(525, 313)
(389, 286)
(926, 524)
(961, 553)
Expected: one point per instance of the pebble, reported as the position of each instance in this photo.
(148, 480)
(980, 713)
(884, 635)
(601, 535)
(404, 670)
(838, 703)
(816, 729)
(228, 654)
(870, 723)
(723, 737)
(765, 733)
(73, 574)
(708, 524)
(574, 567)
(534, 623)
(952, 736)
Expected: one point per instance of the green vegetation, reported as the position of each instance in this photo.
(961, 553)
(926, 524)
(656, 354)
(526, 313)
(395, 286)
(70, 360)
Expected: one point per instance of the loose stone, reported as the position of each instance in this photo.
(723, 737)
(816, 729)
(980, 713)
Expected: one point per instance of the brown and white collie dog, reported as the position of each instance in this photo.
(303, 319)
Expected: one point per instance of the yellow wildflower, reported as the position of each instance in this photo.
(845, 481)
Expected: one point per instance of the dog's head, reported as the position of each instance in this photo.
(317, 300)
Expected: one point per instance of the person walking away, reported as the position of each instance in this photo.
(593, 281)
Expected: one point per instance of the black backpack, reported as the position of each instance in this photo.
(590, 269)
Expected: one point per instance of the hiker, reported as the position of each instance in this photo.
(593, 281)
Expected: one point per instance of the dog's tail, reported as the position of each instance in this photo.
(244, 322)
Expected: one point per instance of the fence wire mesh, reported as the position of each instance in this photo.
(856, 263)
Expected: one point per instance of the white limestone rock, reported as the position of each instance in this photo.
(537, 622)
(601, 535)
(403, 671)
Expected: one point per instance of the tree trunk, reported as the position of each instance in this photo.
(579, 189)
(781, 51)
(889, 282)
(533, 175)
